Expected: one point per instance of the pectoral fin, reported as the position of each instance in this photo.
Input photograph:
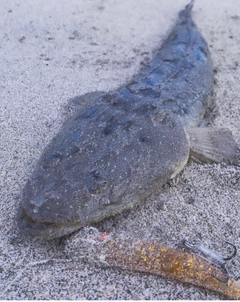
(210, 145)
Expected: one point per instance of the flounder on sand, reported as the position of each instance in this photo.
(125, 144)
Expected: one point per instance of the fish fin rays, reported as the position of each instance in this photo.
(210, 145)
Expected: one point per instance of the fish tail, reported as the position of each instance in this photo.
(186, 12)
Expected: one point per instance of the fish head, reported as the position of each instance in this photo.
(104, 160)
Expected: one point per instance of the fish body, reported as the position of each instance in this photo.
(180, 75)
(123, 145)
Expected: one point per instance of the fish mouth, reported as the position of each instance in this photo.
(43, 230)
(30, 227)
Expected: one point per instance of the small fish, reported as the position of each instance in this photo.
(125, 144)
(182, 261)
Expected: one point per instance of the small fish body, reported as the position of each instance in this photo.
(184, 261)
(123, 145)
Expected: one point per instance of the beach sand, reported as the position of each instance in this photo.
(52, 51)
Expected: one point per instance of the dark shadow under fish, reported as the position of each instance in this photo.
(125, 144)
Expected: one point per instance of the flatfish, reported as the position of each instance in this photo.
(125, 144)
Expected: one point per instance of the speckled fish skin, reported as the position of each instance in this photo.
(180, 75)
(172, 259)
(125, 144)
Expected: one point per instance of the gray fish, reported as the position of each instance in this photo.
(123, 145)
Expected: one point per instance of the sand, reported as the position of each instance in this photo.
(52, 51)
